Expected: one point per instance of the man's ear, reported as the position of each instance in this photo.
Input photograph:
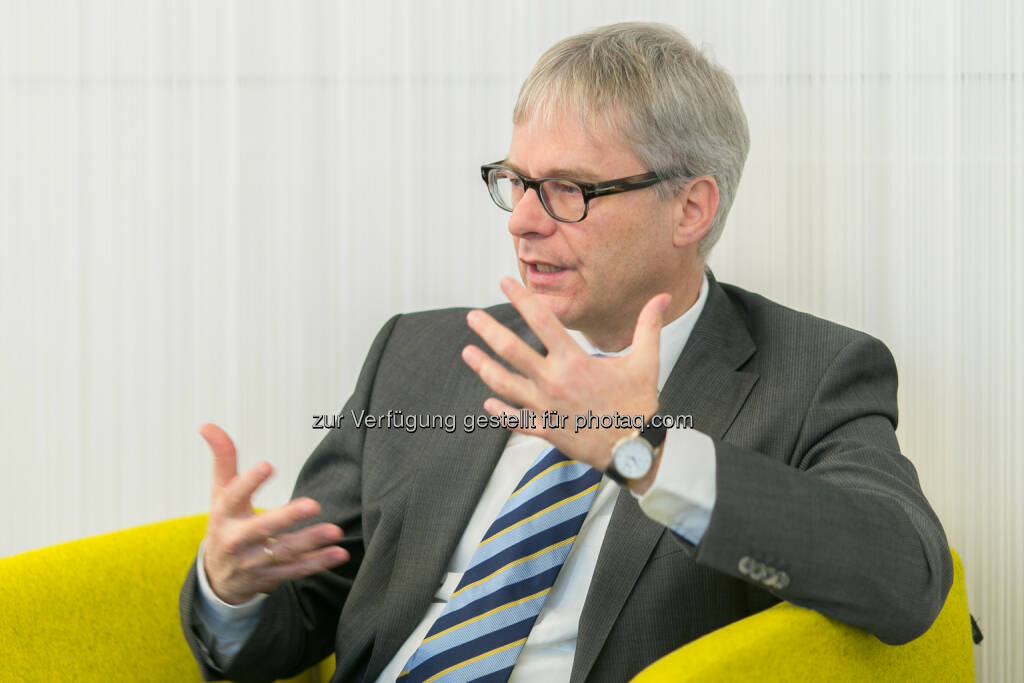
(697, 205)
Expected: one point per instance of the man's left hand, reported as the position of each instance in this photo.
(567, 380)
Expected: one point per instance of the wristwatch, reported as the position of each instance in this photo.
(633, 456)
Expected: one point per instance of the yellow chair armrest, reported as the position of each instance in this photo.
(790, 643)
(101, 609)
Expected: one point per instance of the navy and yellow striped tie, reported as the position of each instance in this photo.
(482, 629)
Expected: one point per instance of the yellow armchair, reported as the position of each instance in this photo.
(103, 608)
(106, 608)
(790, 643)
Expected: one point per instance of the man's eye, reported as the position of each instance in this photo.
(567, 189)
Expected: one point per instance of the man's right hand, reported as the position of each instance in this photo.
(245, 553)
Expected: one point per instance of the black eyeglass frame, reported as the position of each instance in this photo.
(589, 190)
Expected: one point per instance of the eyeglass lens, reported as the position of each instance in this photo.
(563, 199)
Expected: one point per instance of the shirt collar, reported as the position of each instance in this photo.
(673, 337)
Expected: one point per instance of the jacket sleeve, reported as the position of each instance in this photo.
(842, 528)
(300, 617)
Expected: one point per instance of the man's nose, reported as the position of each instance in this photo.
(529, 217)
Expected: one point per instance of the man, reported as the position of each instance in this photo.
(472, 555)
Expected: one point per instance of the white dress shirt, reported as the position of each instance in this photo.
(681, 497)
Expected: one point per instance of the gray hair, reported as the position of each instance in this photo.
(679, 112)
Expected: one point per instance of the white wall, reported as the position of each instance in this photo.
(207, 209)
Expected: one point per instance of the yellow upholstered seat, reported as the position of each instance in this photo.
(101, 609)
(106, 609)
(790, 643)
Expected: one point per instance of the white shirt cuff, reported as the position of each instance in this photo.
(683, 493)
(229, 626)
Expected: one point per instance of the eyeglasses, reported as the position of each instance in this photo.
(565, 200)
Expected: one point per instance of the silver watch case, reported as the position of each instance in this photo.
(632, 457)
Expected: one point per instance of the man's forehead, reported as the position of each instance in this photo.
(563, 144)
(574, 172)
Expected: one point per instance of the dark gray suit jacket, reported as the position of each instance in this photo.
(810, 482)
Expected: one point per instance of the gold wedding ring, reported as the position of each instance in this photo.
(268, 551)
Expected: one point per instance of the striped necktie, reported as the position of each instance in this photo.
(482, 629)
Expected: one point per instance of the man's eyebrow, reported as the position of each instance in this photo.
(566, 172)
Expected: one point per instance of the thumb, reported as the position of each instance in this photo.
(647, 336)
(225, 459)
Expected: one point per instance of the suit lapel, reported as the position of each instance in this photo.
(705, 384)
(455, 470)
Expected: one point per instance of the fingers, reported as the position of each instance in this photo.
(295, 546)
(496, 406)
(237, 497)
(232, 491)
(647, 335)
(306, 564)
(539, 317)
(225, 459)
(235, 579)
(273, 522)
(505, 343)
(504, 383)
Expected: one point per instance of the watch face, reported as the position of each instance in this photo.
(633, 458)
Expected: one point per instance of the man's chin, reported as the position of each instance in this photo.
(563, 307)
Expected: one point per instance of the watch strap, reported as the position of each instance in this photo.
(654, 435)
(615, 475)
